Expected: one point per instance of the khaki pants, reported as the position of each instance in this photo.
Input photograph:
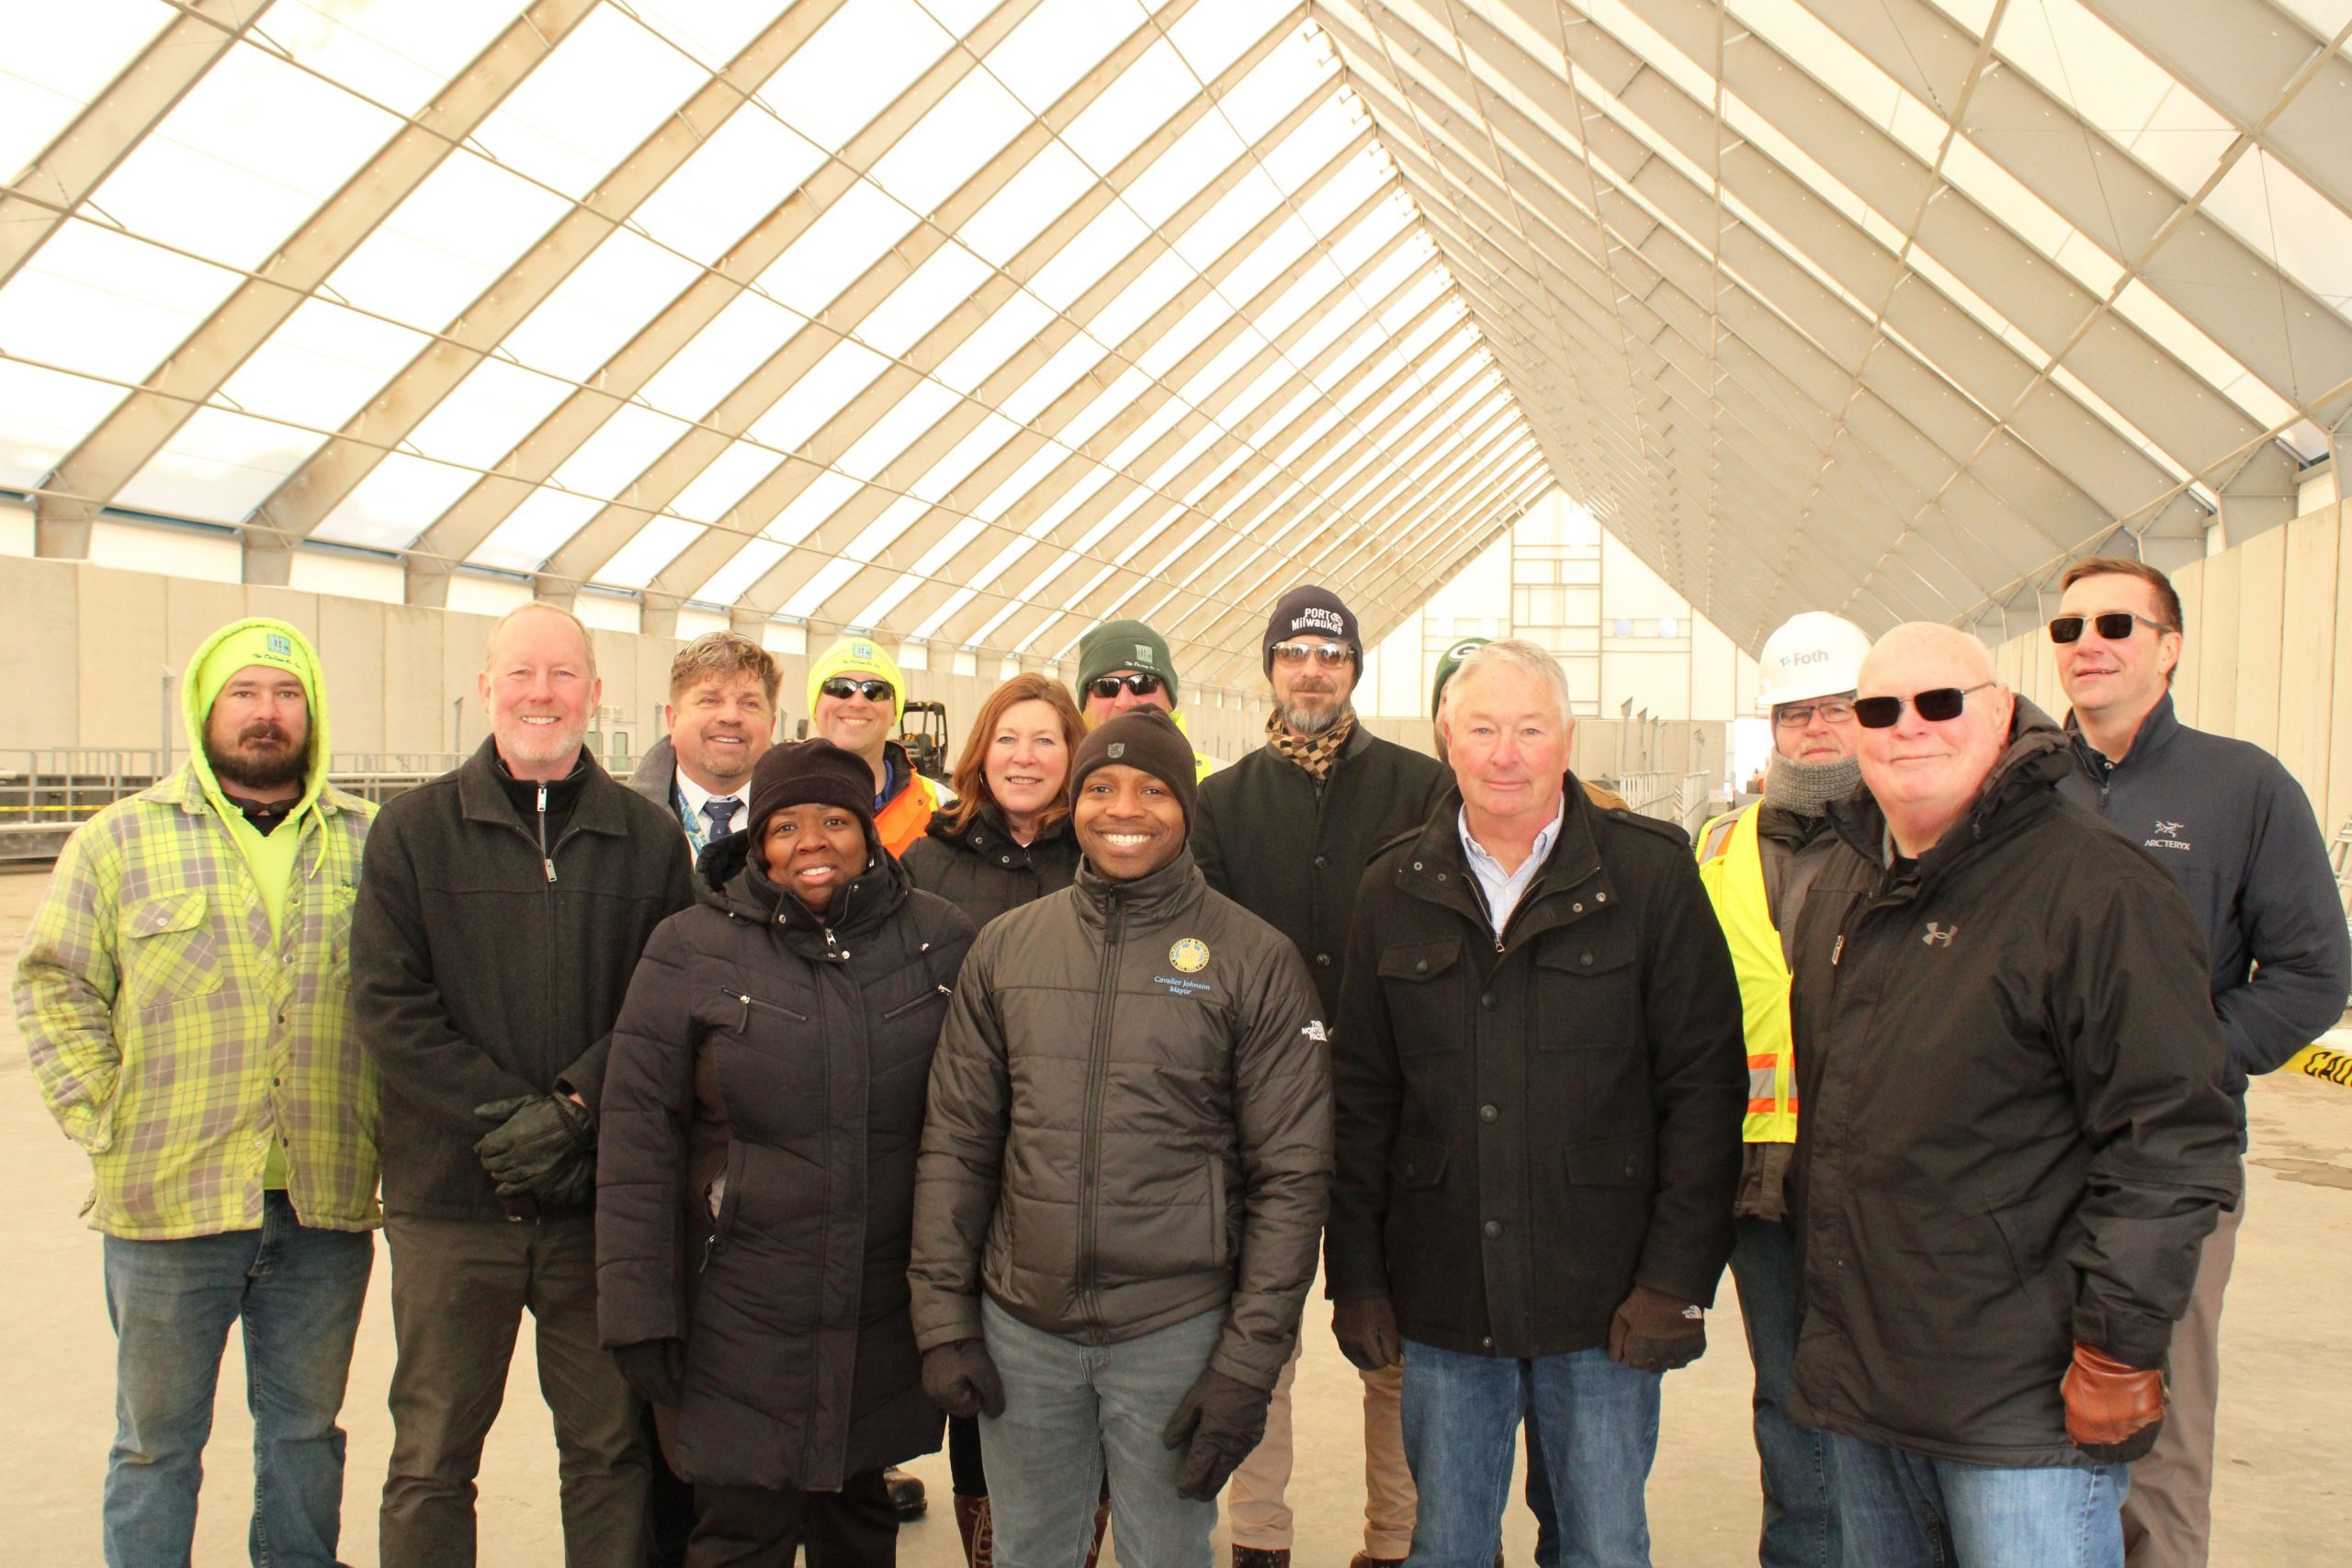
(1255, 1509)
(2168, 1515)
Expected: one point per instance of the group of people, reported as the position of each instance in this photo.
(818, 1112)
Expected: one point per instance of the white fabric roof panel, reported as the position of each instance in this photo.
(978, 322)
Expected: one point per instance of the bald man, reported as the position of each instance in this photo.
(2015, 1133)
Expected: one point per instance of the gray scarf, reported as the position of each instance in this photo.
(1808, 789)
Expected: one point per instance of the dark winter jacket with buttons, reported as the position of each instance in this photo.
(1130, 1125)
(2012, 1132)
(762, 1109)
(2236, 833)
(1529, 1125)
(1292, 849)
(983, 870)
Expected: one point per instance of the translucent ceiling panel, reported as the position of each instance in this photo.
(715, 361)
(447, 241)
(949, 145)
(1012, 324)
(897, 430)
(746, 567)
(845, 371)
(1146, 93)
(732, 181)
(254, 147)
(44, 414)
(396, 53)
(713, 32)
(535, 530)
(599, 306)
(1198, 157)
(1213, 34)
(585, 107)
(321, 364)
(945, 281)
(59, 59)
(1057, 43)
(820, 588)
(834, 250)
(723, 483)
(397, 502)
(1095, 250)
(825, 495)
(641, 559)
(974, 449)
(217, 467)
(864, 56)
(495, 406)
(608, 462)
(95, 300)
(1041, 191)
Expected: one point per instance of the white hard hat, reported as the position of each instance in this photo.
(1813, 655)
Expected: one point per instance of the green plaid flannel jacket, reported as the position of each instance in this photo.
(172, 1034)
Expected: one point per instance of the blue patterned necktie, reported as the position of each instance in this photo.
(719, 812)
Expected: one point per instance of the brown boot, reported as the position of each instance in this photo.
(974, 1523)
(1102, 1523)
(1366, 1560)
(1262, 1557)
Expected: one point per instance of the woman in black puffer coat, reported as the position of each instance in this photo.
(755, 1171)
(1005, 841)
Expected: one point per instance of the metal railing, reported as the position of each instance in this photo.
(1678, 798)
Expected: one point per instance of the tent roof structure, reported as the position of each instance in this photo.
(974, 323)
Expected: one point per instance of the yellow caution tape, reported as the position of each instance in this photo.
(2322, 1062)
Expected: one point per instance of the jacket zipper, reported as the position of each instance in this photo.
(1090, 1147)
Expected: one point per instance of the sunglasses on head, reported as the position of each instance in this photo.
(1322, 653)
(1109, 686)
(842, 688)
(2114, 626)
(1935, 704)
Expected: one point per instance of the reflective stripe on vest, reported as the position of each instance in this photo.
(1733, 877)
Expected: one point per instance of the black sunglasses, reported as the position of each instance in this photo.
(1108, 686)
(2114, 626)
(843, 688)
(1935, 706)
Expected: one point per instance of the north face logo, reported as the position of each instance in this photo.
(1939, 935)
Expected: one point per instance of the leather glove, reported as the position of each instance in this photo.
(1652, 1332)
(656, 1369)
(544, 1147)
(1217, 1423)
(1366, 1326)
(2113, 1411)
(961, 1380)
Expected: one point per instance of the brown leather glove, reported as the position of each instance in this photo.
(1366, 1326)
(1652, 1332)
(2113, 1411)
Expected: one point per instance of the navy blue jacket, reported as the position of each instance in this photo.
(2236, 833)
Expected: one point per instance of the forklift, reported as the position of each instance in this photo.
(922, 731)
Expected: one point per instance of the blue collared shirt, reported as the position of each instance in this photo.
(1504, 888)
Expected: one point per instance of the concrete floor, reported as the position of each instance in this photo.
(2280, 1501)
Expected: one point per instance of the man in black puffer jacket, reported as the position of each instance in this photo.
(2013, 1133)
(756, 1182)
(1123, 1177)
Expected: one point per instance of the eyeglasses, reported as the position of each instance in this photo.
(1323, 653)
(842, 688)
(1935, 706)
(1109, 686)
(1797, 716)
(2114, 626)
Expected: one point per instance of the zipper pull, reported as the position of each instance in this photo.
(1837, 948)
(543, 800)
(743, 1026)
(1498, 944)
(550, 863)
(833, 948)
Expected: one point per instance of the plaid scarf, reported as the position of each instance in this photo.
(1316, 754)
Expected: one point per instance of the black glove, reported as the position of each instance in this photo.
(1367, 1330)
(1219, 1420)
(544, 1148)
(1652, 1332)
(962, 1380)
(656, 1369)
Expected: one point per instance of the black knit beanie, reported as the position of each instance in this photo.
(1309, 611)
(1144, 738)
(809, 772)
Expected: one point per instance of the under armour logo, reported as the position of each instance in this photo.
(1939, 935)
(2169, 829)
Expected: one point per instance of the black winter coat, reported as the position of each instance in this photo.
(477, 973)
(1528, 1127)
(983, 870)
(788, 1061)
(2012, 1132)
(1291, 850)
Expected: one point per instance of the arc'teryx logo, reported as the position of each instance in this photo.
(2167, 836)
(1939, 935)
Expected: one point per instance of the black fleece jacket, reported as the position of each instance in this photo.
(484, 967)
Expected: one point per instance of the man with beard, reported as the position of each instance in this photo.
(502, 910)
(1285, 832)
(721, 719)
(185, 996)
(1758, 864)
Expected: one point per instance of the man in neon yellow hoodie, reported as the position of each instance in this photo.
(185, 995)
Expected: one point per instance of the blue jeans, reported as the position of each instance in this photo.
(1600, 1425)
(1903, 1510)
(1799, 1462)
(1070, 1409)
(297, 1292)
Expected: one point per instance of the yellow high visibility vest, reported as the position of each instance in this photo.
(1733, 876)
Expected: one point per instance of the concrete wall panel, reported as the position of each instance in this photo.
(2307, 635)
(2261, 589)
(40, 662)
(122, 646)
